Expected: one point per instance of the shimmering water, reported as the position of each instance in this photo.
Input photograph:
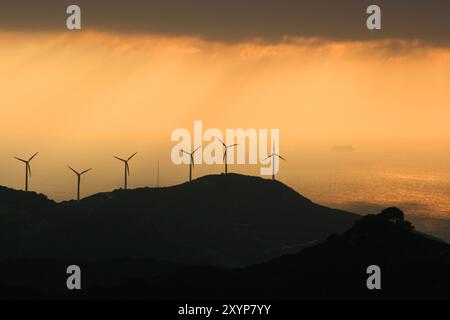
(418, 183)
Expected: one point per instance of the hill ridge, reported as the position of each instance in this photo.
(224, 220)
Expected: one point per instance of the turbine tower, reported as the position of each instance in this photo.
(225, 153)
(27, 168)
(274, 155)
(127, 168)
(191, 163)
(79, 174)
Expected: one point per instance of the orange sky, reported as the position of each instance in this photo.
(79, 98)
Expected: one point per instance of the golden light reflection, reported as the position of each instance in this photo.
(78, 98)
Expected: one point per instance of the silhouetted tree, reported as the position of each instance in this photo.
(396, 216)
(393, 214)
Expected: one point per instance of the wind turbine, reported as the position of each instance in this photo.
(225, 153)
(127, 168)
(191, 164)
(273, 161)
(27, 168)
(79, 174)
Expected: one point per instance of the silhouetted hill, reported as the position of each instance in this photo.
(222, 220)
(16, 200)
(412, 266)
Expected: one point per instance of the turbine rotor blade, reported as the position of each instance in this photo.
(86, 171)
(120, 159)
(196, 150)
(29, 169)
(24, 161)
(33, 156)
(192, 160)
(132, 156)
(268, 157)
(232, 145)
(76, 172)
(223, 143)
(127, 167)
(281, 157)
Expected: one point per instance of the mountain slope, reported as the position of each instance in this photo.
(412, 266)
(223, 220)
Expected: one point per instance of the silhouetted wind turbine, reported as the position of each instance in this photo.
(127, 168)
(27, 168)
(274, 154)
(79, 174)
(191, 164)
(225, 153)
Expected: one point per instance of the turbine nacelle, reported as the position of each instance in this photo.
(273, 155)
(127, 167)
(79, 173)
(27, 168)
(225, 152)
(191, 159)
(190, 154)
(225, 145)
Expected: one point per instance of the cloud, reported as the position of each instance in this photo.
(237, 21)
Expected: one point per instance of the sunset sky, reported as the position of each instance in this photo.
(123, 84)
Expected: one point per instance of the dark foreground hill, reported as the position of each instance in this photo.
(35, 278)
(412, 266)
(222, 220)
